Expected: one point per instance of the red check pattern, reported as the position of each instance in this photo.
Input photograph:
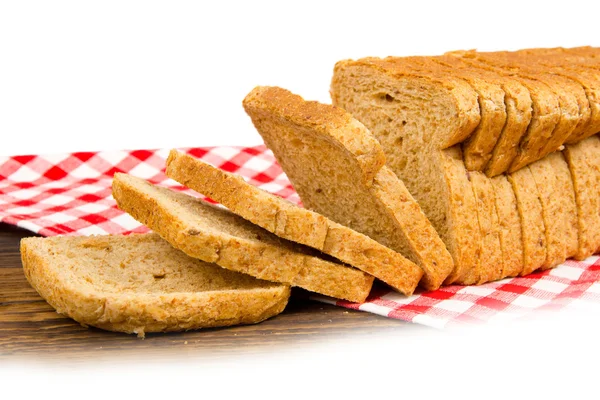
(70, 194)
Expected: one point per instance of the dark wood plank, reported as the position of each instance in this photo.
(31, 327)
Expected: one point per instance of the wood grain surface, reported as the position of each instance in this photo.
(30, 327)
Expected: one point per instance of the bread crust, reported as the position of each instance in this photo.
(223, 238)
(140, 312)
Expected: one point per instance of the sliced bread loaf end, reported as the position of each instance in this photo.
(140, 283)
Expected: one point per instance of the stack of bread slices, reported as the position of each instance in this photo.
(499, 149)
(463, 168)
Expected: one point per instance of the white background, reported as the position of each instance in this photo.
(111, 75)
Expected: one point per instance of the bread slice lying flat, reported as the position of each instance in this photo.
(338, 169)
(216, 235)
(289, 221)
(140, 283)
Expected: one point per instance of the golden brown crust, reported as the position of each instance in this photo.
(289, 221)
(216, 235)
(140, 312)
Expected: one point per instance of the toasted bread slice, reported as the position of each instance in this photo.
(287, 220)
(213, 234)
(337, 168)
(140, 283)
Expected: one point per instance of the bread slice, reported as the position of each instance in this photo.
(511, 240)
(337, 168)
(491, 264)
(579, 158)
(289, 221)
(140, 283)
(566, 195)
(555, 228)
(518, 106)
(533, 230)
(212, 234)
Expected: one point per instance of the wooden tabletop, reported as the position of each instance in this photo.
(30, 327)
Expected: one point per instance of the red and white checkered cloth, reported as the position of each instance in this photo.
(70, 194)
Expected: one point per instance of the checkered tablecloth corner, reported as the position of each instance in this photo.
(70, 194)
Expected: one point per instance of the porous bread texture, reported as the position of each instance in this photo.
(578, 157)
(140, 283)
(390, 104)
(287, 220)
(337, 168)
(216, 235)
(477, 148)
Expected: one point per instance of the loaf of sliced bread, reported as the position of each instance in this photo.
(338, 169)
(140, 283)
(289, 221)
(216, 235)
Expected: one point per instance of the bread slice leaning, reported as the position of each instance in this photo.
(216, 235)
(338, 169)
(289, 221)
(140, 283)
